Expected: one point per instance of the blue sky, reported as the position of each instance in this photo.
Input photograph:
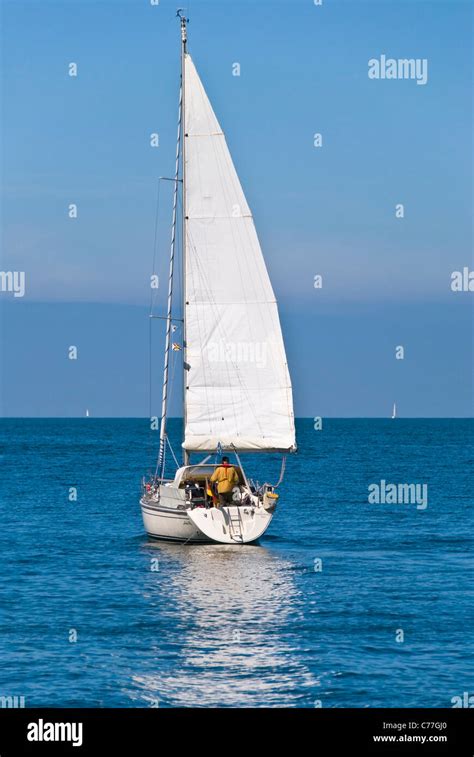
(328, 211)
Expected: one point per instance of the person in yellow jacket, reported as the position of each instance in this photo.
(226, 478)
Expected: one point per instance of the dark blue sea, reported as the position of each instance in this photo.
(344, 603)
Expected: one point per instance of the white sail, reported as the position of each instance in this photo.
(238, 388)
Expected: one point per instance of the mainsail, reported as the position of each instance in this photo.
(237, 385)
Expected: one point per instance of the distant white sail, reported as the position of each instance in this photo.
(394, 411)
(238, 385)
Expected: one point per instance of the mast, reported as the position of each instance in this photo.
(184, 39)
(160, 466)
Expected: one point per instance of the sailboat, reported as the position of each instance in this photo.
(394, 411)
(236, 384)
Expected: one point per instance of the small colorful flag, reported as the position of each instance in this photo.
(176, 347)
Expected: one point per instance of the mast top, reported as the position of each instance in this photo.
(184, 21)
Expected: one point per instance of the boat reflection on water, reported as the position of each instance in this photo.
(230, 637)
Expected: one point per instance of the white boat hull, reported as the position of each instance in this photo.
(169, 524)
(226, 525)
(231, 525)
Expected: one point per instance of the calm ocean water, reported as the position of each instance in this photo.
(238, 626)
